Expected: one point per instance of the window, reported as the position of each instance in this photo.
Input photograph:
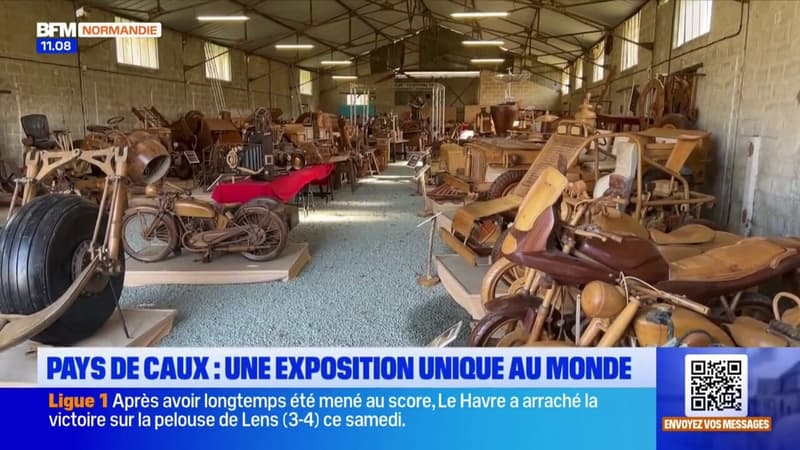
(142, 52)
(692, 20)
(218, 62)
(357, 99)
(599, 59)
(306, 86)
(630, 51)
(565, 81)
(579, 73)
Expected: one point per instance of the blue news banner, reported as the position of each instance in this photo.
(619, 398)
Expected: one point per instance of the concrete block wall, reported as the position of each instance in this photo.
(750, 61)
(88, 88)
(527, 93)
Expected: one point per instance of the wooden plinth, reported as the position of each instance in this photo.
(147, 328)
(223, 269)
(463, 282)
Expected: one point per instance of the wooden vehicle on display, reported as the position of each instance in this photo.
(174, 136)
(490, 167)
(167, 222)
(562, 250)
(61, 260)
(477, 226)
(663, 201)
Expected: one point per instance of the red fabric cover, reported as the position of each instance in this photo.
(282, 188)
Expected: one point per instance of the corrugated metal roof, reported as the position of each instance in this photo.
(555, 31)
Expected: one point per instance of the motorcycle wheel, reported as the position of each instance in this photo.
(492, 329)
(42, 249)
(751, 304)
(503, 278)
(273, 225)
(164, 236)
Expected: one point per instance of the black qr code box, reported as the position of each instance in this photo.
(715, 385)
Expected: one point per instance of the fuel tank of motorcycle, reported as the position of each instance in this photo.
(652, 324)
(188, 207)
(602, 300)
(633, 256)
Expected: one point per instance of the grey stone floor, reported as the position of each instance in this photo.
(358, 290)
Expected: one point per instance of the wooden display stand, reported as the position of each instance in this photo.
(146, 326)
(462, 281)
(224, 269)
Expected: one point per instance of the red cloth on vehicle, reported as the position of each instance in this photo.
(282, 188)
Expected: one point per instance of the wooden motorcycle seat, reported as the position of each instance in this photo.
(750, 332)
(674, 252)
(687, 234)
(622, 224)
(730, 262)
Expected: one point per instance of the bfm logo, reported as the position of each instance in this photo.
(56, 29)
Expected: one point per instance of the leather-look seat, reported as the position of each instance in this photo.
(37, 130)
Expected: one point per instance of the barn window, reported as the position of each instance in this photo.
(565, 81)
(630, 51)
(139, 51)
(579, 73)
(218, 62)
(599, 59)
(692, 20)
(357, 99)
(305, 84)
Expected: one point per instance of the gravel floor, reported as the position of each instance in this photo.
(358, 290)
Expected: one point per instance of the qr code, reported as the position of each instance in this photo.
(716, 386)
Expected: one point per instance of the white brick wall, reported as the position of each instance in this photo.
(51, 84)
(752, 78)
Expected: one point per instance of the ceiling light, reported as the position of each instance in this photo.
(336, 63)
(444, 74)
(482, 42)
(293, 46)
(344, 77)
(222, 18)
(486, 60)
(477, 15)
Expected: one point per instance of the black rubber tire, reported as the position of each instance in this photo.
(675, 120)
(502, 183)
(36, 255)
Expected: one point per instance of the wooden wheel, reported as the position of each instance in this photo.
(503, 278)
(651, 103)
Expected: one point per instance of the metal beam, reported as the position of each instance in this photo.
(246, 8)
(363, 20)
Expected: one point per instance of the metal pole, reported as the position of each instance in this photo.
(428, 280)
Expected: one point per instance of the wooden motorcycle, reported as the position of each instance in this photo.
(171, 221)
(637, 314)
(559, 258)
(61, 262)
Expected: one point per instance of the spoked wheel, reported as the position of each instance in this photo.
(148, 235)
(503, 278)
(275, 231)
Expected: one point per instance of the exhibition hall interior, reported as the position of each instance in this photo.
(398, 173)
